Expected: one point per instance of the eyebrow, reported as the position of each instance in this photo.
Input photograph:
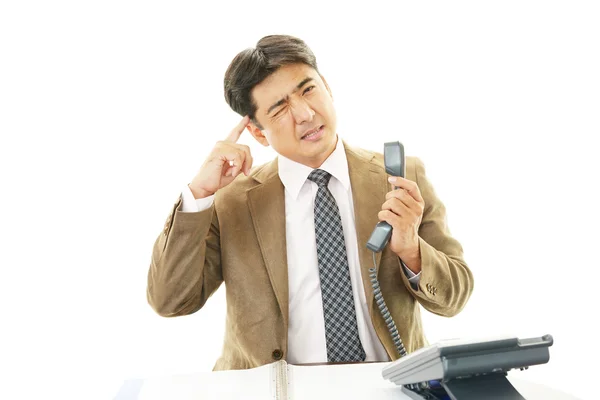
(286, 98)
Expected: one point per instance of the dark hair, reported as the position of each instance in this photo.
(252, 66)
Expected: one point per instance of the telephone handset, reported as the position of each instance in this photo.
(395, 165)
(393, 154)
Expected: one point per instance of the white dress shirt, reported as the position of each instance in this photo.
(306, 331)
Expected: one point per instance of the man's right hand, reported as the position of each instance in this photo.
(226, 161)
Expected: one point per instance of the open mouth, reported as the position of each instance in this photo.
(314, 134)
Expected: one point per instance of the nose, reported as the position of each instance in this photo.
(302, 112)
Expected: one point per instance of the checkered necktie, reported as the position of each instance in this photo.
(341, 331)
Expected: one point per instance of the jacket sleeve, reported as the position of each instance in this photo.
(446, 281)
(185, 268)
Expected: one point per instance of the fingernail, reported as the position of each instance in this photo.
(391, 179)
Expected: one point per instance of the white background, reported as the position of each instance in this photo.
(108, 108)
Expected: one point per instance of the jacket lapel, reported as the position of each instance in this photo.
(369, 187)
(266, 203)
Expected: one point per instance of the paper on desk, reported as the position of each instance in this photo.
(350, 381)
(256, 383)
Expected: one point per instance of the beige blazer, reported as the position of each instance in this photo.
(241, 241)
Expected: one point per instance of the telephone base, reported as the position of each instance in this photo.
(491, 387)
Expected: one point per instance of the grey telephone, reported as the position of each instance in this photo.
(452, 370)
(393, 154)
(395, 165)
(469, 369)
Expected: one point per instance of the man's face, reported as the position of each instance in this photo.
(295, 109)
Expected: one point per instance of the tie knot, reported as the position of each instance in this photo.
(320, 177)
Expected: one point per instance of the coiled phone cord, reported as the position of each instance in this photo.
(384, 310)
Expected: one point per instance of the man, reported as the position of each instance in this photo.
(288, 238)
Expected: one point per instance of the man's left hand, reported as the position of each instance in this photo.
(403, 210)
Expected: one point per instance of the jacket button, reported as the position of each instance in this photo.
(277, 354)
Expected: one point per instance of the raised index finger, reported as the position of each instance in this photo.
(235, 134)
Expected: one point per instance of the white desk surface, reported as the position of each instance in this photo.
(348, 382)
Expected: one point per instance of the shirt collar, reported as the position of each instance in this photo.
(293, 175)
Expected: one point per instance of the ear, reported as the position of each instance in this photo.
(258, 134)
(327, 86)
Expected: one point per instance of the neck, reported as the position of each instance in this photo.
(314, 164)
